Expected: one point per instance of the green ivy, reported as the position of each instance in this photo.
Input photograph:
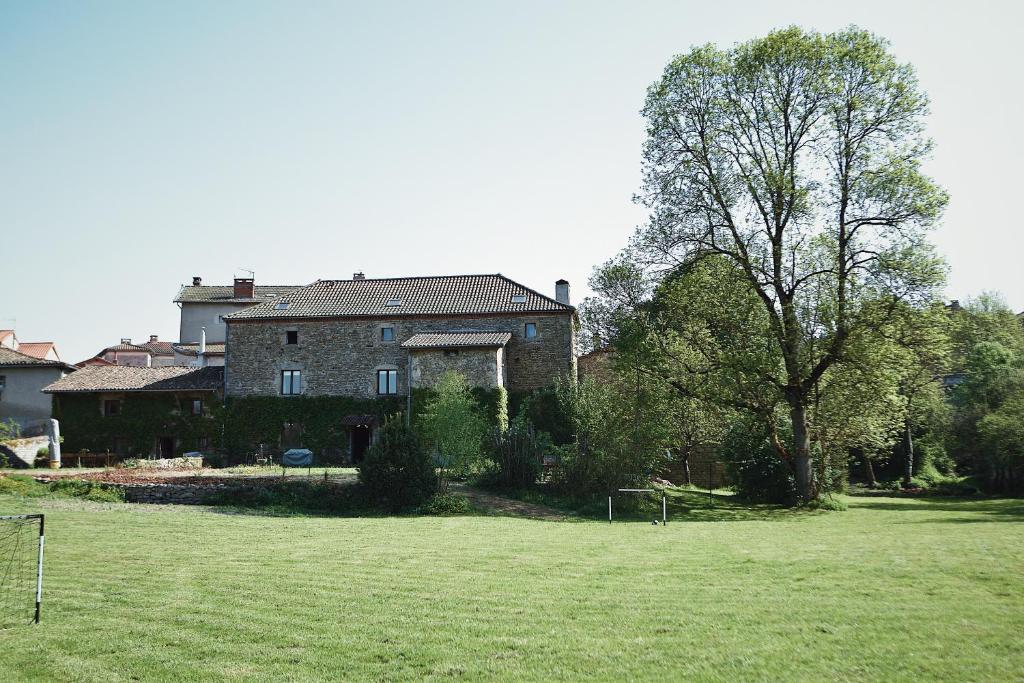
(260, 419)
(143, 419)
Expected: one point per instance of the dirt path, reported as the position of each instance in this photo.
(500, 505)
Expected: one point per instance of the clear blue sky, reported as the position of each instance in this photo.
(143, 143)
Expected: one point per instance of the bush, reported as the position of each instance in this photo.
(453, 426)
(518, 453)
(753, 463)
(397, 472)
(446, 504)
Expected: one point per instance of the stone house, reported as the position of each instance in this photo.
(384, 338)
(22, 378)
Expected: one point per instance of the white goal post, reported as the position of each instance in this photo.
(664, 504)
(21, 566)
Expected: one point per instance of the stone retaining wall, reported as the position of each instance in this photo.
(24, 450)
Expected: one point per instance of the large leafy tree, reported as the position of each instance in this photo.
(795, 158)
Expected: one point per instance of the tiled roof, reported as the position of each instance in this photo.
(160, 348)
(95, 360)
(212, 349)
(36, 349)
(451, 340)
(131, 348)
(396, 297)
(127, 378)
(12, 358)
(220, 294)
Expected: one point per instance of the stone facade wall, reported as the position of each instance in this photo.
(341, 357)
(482, 367)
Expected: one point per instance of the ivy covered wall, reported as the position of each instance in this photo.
(253, 420)
(143, 419)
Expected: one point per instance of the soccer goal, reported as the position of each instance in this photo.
(21, 569)
(664, 504)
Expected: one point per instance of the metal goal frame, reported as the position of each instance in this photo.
(39, 557)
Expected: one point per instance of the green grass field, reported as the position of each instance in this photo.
(891, 589)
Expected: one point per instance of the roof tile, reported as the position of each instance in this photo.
(451, 340)
(128, 378)
(432, 295)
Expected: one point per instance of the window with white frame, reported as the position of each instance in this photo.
(291, 382)
(387, 382)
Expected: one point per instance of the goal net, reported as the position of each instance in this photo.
(21, 569)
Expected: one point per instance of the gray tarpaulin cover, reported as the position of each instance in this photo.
(297, 457)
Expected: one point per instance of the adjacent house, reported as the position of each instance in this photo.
(22, 379)
(139, 411)
(153, 353)
(380, 339)
(43, 350)
(203, 307)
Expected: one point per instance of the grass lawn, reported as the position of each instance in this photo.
(892, 589)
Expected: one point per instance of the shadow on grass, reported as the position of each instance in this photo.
(986, 509)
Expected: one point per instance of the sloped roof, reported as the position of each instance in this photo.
(4, 334)
(212, 349)
(95, 360)
(454, 340)
(37, 349)
(225, 294)
(397, 297)
(160, 348)
(12, 358)
(131, 348)
(127, 378)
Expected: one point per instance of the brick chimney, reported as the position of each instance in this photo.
(244, 288)
(562, 292)
(358, 276)
(197, 281)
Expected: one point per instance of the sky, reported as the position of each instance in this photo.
(143, 143)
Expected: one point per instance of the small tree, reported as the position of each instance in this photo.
(397, 471)
(518, 452)
(454, 427)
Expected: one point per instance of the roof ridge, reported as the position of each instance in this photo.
(410, 277)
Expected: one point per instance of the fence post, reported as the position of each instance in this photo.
(711, 483)
(609, 509)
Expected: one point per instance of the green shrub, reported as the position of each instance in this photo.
(755, 466)
(454, 427)
(518, 453)
(446, 504)
(397, 473)
(22, 485)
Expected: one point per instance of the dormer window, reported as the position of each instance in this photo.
(394, 303)
(282, 305)
(519, 298)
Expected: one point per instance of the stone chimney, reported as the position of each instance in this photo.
(197, 281)
(244, 288)
(358, 276)
(562, 292)
(126, 340)
(153, 338)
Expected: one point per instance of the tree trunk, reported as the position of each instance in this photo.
(686, 469)
(869, 470)
(803, 467)
(908, 448)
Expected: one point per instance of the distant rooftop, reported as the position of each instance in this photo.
(225, 294)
